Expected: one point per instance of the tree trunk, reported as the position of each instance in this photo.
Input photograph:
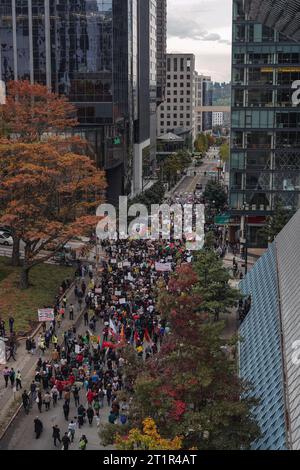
(15, 258)
(24, 278)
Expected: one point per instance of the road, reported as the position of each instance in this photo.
(21, 436)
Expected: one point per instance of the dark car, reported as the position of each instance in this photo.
(199, 187)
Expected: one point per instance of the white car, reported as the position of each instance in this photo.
(6, 239)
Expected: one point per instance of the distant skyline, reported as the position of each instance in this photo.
(202, 27)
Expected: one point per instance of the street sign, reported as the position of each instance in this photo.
(222, 219)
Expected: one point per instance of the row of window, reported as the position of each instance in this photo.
(168, 108)
(182, 92)
(258, 140)
(259, 76)
(181, 77)
(265, 119)
(175, 123)
(182, 84)
(168, 116)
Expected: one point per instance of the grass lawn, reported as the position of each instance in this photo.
(45, 281)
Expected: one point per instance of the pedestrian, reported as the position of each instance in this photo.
(54, 394)
(76, 395)
(83, 443)
(26, 401)
(66, 441)
(12, 350)
(33, 388)
(72, 429)
(18, 380)
(71, 312)
(39, 401)
(6, 375)
(47, 400)
(11, 322)
(38, 427)
(66, 409)
(90, 415)
(12, 377)
(28, 345)
(56, 435)
(86, 318)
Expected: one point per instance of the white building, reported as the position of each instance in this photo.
(218, 119)
(178, 109)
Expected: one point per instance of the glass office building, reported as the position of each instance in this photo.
(269, 346)
(265, 144)
(89, 51)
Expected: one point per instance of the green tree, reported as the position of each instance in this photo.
(213, 286)
(224, 152)
(215, 195)
(201, 144)
(276, 222)
(191, 388)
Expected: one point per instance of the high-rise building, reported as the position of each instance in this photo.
(270, 332)
(90, 50)
(265, 144)
(178, 109)
(204, 97)
(161, 43)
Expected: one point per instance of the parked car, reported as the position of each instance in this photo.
(6, 239)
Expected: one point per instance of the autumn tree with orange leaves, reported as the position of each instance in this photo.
(49, 188)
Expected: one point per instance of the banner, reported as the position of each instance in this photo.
(46, 314)
(163, 267)
(2, 352)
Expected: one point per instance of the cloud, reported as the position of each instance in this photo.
(188, 24)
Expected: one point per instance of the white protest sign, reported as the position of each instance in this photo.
(45, 314)
(122, 301)
(163, 267)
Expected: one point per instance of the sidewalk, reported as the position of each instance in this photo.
(26, 363)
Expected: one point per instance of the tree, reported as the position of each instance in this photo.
(213, 286)
(201, 144)
(215, 195)
(190, 388)
(224, 152)
(148, 439)
(32, 111)
(49, 189)
(276, 222)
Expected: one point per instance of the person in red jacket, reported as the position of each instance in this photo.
(90, 396)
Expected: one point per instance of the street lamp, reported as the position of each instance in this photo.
(244, 238)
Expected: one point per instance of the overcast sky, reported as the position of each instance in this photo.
(202, 27)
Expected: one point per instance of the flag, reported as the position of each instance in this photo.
(112, 328)
(147, 338)
(136, 337)
(122, 335)
(108, 344)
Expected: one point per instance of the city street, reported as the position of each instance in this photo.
(21, 433)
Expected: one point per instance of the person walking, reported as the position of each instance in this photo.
(47, 400)
(26, 401)
(38, 427)
(12, 377)
(71, 312)
(66, 408)
(12, 349)
(6, 375)
(83, 443)
(76, 395)
(11, 322)
(66, 441)
(56, 435)
(90, 415)
(18, 380)
(72, 429)
(39, 401)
